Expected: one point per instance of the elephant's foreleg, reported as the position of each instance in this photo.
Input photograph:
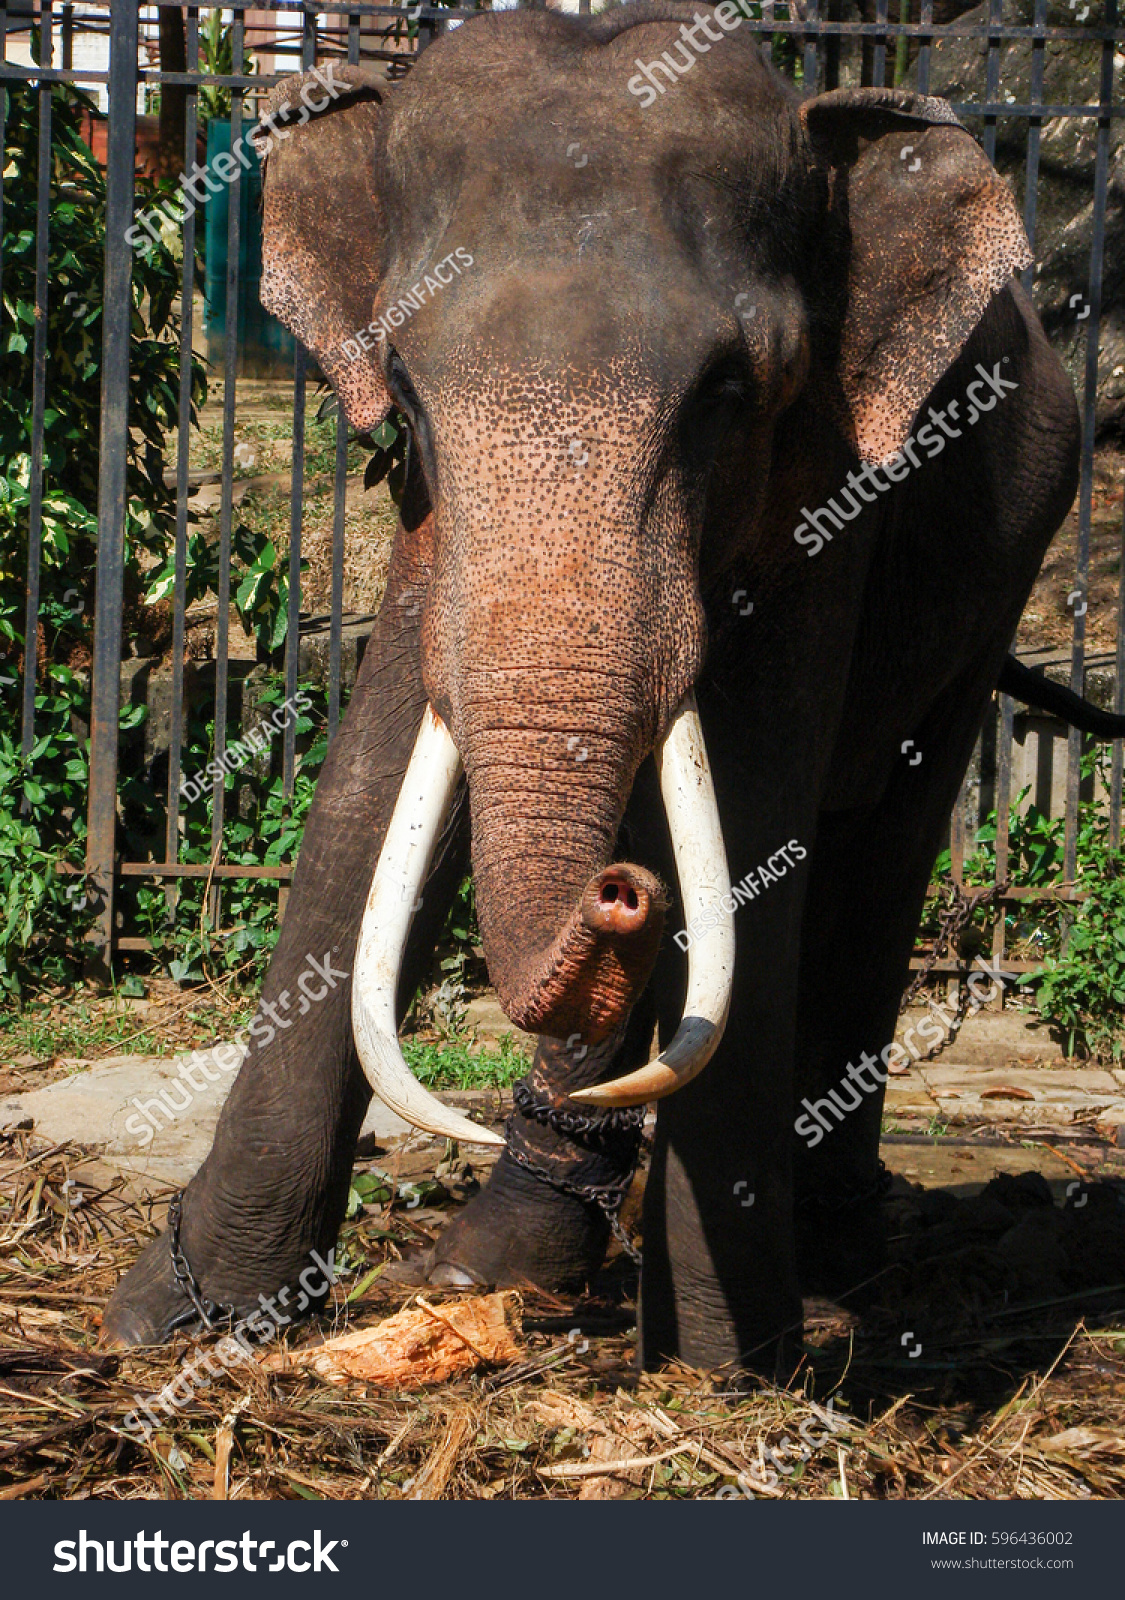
(275, 1184)
(543, 1217)
(866, 890)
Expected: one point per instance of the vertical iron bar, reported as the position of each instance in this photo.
(296, 513)
(1034, 137)
(1003, 822)
(1115, 771)
(924, 48)
(3, 130)
(339, 509)
(832, 48)
(992, 80)
(957, 835)
(1089, 417)
(230, 384)
(879, 69)
(811, 59)
(336, 617)
(38, 393)
(183, 449)
(117, 314)
(902, 46)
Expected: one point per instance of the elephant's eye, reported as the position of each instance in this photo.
(403, 391)
(724, 386)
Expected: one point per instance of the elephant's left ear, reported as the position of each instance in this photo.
(934, 234)
(322, 231)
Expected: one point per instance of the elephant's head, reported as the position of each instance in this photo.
(596, 303)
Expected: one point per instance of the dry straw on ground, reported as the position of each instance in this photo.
(1012, 1395)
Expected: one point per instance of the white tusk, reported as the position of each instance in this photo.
(423, 803)
(701, 864)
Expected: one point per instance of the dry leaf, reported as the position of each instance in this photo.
(1072, 1439)
(1007, 1091)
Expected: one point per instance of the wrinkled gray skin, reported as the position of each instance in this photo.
(731, 303)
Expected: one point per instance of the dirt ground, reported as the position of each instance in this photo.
(983, 1358)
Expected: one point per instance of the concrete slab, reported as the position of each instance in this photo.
(991, 1037)
(1030, 1096)
(147, 1119)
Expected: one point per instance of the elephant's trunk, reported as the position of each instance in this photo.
(587, 979)
(570, 941)
(591, 972)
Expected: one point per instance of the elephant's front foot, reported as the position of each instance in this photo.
(543, 1217)
(148, 1304)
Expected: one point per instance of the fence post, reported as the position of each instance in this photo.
(116, 325)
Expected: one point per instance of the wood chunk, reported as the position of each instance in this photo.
(420, 1345)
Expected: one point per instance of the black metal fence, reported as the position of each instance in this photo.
(1003, 60)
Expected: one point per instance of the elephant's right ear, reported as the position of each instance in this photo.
(322, 228)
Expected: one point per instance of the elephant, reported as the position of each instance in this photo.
(736, 446)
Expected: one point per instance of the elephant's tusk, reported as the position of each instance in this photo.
(423, 803)
(701, 864)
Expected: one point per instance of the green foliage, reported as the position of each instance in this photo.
(261, 827)
(216, 56)
(454, 1064)
(1082, 991)
(1080, 987)
(43, 793)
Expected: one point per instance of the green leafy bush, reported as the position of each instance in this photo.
(1080, 987)
(1082, 991)
(43, 793)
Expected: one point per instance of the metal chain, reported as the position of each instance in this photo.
(209, 1311)
(608, 1197)
(589, 1127)
(956, 918)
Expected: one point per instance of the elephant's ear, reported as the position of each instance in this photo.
(934, 234)
(322, 229)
